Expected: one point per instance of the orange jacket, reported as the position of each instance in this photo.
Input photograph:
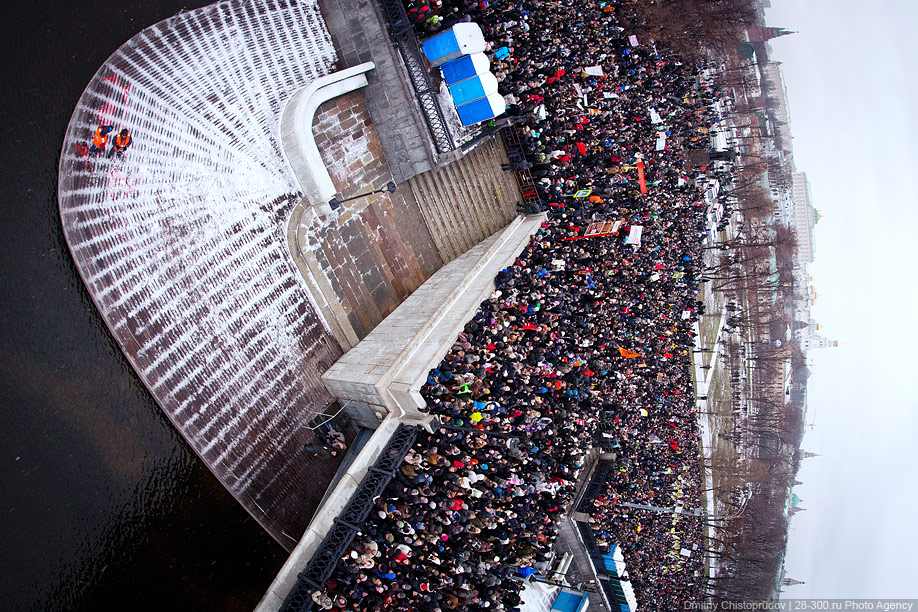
(122, 143)
(100, 138)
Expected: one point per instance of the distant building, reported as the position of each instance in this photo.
(794, 506)
(817, 342)
(805, 217)
(809, 338)
(784, 581)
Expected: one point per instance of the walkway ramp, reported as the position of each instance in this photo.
(180, 241)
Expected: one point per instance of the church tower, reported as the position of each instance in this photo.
(765, 33)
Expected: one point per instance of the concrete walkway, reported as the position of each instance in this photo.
(703, 378)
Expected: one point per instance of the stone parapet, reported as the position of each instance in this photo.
(296, 131)
(388, 367)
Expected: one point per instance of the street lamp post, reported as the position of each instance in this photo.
(335, 203)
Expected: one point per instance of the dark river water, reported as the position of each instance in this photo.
(102, 504)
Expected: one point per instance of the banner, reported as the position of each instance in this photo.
(634, 236)
(627, 354)
(655, 116)
(594, 70)
(594, 228)
(633, 40)
(602, 228)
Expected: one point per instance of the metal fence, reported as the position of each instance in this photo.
(589, 544)
(402, 33)
(323, 562)
(594, 487)
(516, 153)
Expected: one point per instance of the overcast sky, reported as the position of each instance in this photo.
(851, 84)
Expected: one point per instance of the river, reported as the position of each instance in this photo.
(104, 506)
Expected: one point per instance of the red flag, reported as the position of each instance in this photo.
(641, 179)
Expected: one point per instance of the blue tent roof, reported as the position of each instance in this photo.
(568, 601)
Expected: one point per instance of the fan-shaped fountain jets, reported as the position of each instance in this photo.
(181, 243)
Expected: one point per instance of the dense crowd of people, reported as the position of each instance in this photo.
(584, 342)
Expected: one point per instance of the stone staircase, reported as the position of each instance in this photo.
(468, 200)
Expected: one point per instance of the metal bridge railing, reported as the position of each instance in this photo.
(402, 33)
(326, 558)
